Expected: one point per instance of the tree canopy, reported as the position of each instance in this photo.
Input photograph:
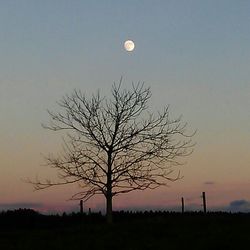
(116, 145)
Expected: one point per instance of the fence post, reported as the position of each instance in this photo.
(204, 202)
(81, 206)
(182, 205)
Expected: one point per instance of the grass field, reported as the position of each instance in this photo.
(160, 230)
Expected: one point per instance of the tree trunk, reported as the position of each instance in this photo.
(109, 209)
(109, 195)
(109, 200)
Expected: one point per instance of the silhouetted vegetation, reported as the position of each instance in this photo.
(115, 145)
(27, 229)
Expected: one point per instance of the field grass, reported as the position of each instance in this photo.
(130, 231)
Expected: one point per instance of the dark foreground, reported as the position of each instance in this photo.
(26, 229)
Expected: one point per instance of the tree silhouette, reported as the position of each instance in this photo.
(115, 145)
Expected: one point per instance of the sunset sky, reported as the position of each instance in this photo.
(195, 56)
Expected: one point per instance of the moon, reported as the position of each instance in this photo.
(129, 45)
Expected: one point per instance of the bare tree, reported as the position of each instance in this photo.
(116, 145)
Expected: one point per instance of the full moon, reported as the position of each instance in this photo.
(129, 45)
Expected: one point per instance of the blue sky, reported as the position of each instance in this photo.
(195, 55)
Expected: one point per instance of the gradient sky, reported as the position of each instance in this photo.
(195, 55)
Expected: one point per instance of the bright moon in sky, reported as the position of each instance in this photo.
(129, 45)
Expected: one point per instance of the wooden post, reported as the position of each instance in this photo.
(81, 206)
(182, 205)
(89, 211)
(204, 202)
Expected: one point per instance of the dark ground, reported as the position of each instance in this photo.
(26, 229)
